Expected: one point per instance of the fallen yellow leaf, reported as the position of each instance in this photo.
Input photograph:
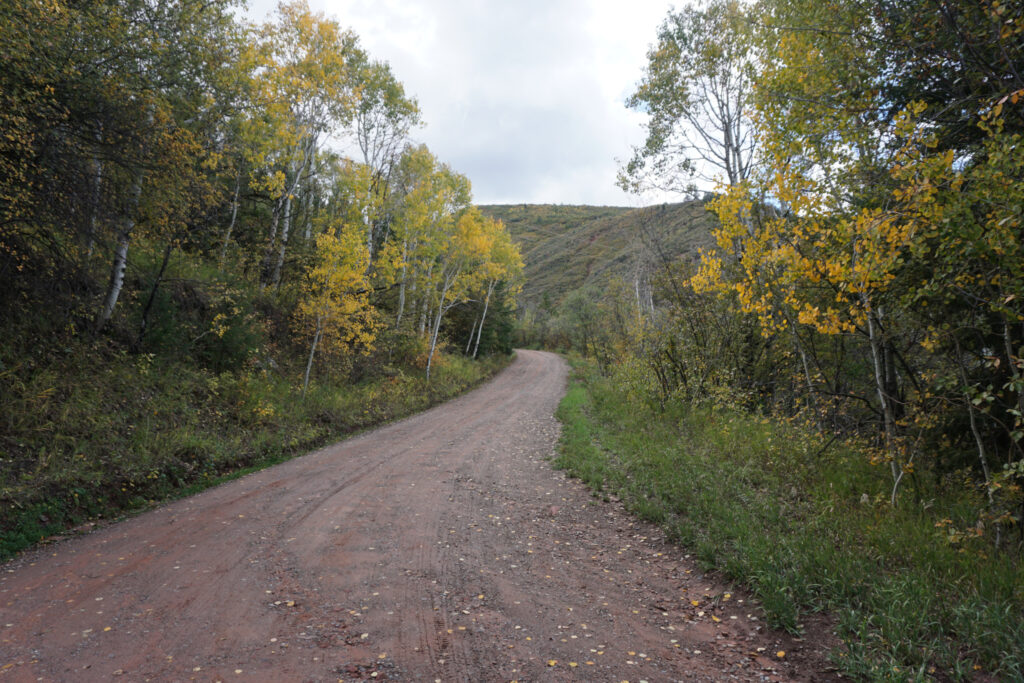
(552, 662)
(780, 654)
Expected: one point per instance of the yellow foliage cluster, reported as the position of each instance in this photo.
(337, 305)
(883, 230)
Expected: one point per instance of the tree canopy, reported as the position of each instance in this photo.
(871, 237)
(139, 135)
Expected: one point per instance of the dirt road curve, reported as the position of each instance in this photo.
(442, 547)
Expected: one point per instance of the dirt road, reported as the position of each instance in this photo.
(443, 547)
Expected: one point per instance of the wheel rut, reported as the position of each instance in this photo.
(441, 547)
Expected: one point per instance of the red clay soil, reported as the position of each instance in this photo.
(439, 548)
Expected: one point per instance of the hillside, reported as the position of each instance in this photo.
(566, 248)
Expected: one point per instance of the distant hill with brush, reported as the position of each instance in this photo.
(567, 248)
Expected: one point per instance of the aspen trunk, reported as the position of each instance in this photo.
(307, 217)
(401, 285)
(231, 225)
(976, 433)
(144, 324)
(888, 416)
(424, 306)
(95, 187)
(1012, 360)
(124, 237)
(425, 313)
(811, 391)
(433, 336)
(272, 273)
(286, 224)
(275, 219)
(312, 351)
(483, 317)
(469, 342)
(116, 278)
(441, 308)
(368, 219)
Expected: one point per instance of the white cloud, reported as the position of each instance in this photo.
(525, 97)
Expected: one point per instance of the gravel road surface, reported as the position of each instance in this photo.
(440, 548)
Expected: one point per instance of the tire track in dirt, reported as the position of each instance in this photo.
(442, 547)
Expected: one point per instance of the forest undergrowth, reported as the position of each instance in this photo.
(92, 432)
(807, 526)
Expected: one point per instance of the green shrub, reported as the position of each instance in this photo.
(89, 435)
(807, 528)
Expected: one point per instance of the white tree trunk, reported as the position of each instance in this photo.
(95, 189)
(487, 301)
(116, 277)
(441, 308)
(368, 219)
(433, 336)
(307, 216)
(472, 331)
(283, 206)
(286, 224)
(312, 351)
(124, 237)
(425, 302)
(424, 315)
(401, 285)
(275, 220)
(888, 416)
(231, 225)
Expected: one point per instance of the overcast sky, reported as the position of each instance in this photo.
(524, 97)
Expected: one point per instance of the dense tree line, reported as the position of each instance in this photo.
(140, 135)
(868, 270)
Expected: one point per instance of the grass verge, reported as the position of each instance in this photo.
(91, 437)
(805, 529)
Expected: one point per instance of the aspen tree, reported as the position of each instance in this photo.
(336, 305)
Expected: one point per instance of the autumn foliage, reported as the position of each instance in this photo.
(212, 228)
(173, 133)
(866, 276)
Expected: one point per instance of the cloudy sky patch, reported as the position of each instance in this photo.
(525, 97)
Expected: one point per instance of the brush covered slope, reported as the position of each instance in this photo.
(572, 248)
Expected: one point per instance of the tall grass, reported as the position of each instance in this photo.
(807, 528)
(94, 435)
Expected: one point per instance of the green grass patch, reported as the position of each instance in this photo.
(93, 436)
(806, 529)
